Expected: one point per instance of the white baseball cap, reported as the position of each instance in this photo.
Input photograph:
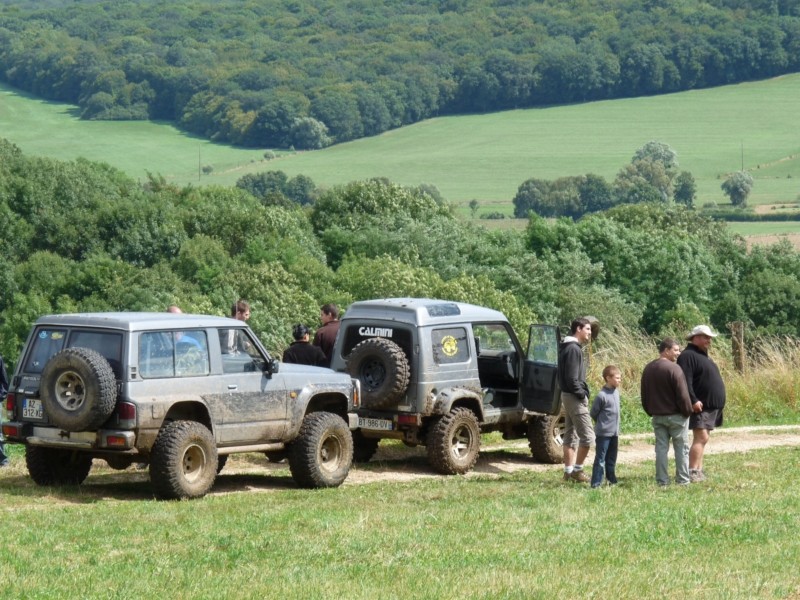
(701, 330)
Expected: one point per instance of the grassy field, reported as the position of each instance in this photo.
(483, 157)
(523, 535)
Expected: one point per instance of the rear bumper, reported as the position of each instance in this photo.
(102, 439)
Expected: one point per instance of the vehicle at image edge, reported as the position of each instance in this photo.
(178, 392)
(439, 373)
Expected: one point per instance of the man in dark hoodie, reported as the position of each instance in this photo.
(303, 353)
(578, 430)
(707, 392)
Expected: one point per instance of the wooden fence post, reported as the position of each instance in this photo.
(737, 345)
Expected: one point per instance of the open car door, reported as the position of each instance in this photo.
(539, 385)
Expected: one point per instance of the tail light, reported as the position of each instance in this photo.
(126, 413)
(11, 405)
(11, 431)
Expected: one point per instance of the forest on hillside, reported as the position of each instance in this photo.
(303, 74)
(81, 236)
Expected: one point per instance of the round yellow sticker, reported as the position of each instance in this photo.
(449, 345)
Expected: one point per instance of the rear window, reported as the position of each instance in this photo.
(355, 334)
(47, 342)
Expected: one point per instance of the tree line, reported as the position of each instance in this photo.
(82, 236)
(651, 176)
(302, 74)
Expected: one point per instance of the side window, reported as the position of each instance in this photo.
(450, 345)
(234, 341)
(191, 353)
(492, 338)
(46, 343)
(239, 353)
(543, 344)
(173, 354)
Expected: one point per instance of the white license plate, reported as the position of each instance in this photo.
(32, 408)
(384, 424)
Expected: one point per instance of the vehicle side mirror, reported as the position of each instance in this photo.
(273, 366)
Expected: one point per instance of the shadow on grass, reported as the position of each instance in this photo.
(134, 484)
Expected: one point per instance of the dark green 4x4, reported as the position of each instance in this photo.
(440, 373)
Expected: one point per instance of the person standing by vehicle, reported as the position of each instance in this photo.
(665, 398)
(301, 352)
(605, 412)
(4, 460)
(578, 431)
(326, 335)
(707, 393)
(231, 342)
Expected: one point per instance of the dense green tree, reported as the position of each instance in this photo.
(532, 196)
(243, 73)
(737, 187)
(595, 193)
(685, 189)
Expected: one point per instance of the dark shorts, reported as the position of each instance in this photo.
(706, 419)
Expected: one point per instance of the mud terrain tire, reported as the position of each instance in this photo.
(322, 454)
(454, 442)
(53, 466)
(545, 438)
(78, 389)
(183, 461)
(383, 370)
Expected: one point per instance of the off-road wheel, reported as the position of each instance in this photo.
(53, 466)
(183, 461)
(364, 448)
(383, 370)
(545, 438)
(322, 454)
(454, 442)
(78, 389)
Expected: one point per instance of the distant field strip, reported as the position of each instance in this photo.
(482, 157)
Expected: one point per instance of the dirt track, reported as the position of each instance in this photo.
(407, 464)
(392, 463)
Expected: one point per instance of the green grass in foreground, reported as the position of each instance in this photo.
(526, 535)
(483, 157)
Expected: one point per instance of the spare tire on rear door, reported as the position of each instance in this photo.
(78, 389)
(382, 368)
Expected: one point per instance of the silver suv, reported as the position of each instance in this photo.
(178, 392)
(439, 373)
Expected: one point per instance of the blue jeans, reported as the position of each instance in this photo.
(605, 459)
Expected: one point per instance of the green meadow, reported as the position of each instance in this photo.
(482, 157)
(522, 535)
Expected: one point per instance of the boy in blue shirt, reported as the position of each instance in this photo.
(605, 413)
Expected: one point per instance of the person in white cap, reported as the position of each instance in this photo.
(707, 393)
